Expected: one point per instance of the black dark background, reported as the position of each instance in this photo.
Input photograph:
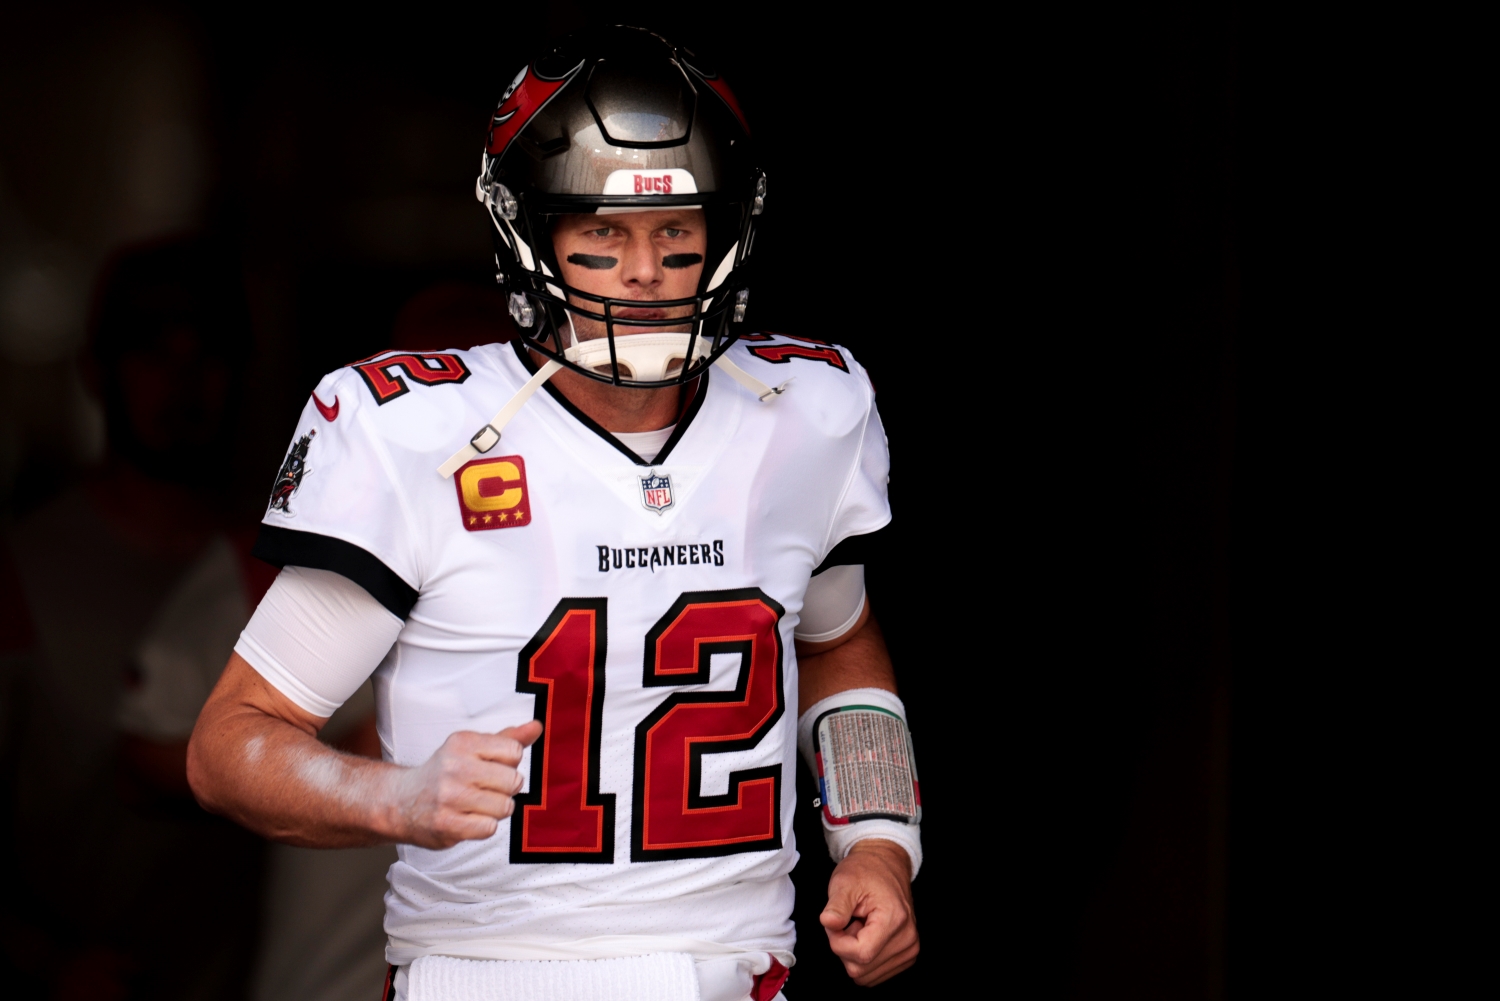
(1079, 255)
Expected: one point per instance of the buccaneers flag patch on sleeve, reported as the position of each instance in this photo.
(289, 479)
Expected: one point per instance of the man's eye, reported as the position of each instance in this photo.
(600, 232)
(673, 234)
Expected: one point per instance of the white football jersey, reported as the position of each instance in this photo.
(644, 612)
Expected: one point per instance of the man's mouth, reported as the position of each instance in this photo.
(640, 313)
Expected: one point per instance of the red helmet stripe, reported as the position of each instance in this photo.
(516, 110)
(722, 89)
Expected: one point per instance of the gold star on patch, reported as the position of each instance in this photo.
(488, 518)
(472, 519)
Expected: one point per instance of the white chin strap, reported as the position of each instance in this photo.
(642, 357)
(488, 436)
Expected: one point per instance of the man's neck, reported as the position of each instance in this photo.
(616, 408)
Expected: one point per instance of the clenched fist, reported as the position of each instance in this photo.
(464, 790)
(869, 917)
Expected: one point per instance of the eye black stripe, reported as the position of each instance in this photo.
(679, 260)
(597, 262)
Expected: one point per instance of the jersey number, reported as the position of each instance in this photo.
(384, 377)
(565, 818)
(782, 354)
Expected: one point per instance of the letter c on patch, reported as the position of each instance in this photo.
(486, 488)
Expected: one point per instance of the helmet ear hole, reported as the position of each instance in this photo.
(501, 201)
(521, 310)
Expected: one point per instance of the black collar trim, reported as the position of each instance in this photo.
(686, 417)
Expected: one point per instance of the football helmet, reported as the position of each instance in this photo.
(609, 121)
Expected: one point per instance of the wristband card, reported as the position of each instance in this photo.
(866, 769)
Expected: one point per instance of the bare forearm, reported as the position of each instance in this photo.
(283, 783)
(255, 757)
(860, 662)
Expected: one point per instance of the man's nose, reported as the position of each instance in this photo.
(641, 265)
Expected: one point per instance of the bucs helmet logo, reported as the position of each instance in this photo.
(290, 477)
(656, 492)
(525, 96)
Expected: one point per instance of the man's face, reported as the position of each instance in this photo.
(642, 256)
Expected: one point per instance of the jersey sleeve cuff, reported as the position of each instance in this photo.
(856, 549)
(283, 547)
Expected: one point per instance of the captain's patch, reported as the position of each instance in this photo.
(492, 493)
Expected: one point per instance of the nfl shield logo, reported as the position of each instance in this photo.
(656, 492)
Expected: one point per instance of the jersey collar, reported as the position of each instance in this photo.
(692, 402)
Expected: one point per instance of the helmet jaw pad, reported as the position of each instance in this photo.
(639, 358)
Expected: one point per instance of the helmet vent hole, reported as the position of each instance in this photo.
(641, 103)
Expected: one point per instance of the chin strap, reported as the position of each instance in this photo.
(749, 381)
(488, 436)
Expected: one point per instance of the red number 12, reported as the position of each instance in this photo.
(565, 818)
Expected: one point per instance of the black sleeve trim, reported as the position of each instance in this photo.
(282, 547)
(857, 550)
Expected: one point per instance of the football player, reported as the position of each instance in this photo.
(601, 622)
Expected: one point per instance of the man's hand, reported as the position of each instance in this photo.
(464, 790)
(869, 914)
(255, 757)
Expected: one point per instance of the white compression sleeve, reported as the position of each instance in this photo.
(832, 605)
(316, 637)
(842, 837)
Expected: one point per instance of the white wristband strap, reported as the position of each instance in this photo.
(488, 436)
(841, 834)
